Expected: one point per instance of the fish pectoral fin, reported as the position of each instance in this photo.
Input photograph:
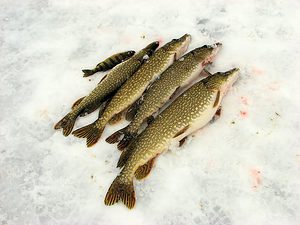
(150, 119)
(116, 118)
(207, 72)
(181, 131)
(219, 111)
(102, 79)
(217, 114)
(175, 92)
(132, 110)
(182, 141)
(217, 100)
(144, 170)
(77, 102)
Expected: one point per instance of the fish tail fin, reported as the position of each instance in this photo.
(66, 123)
(125, 141)
(121, 189)
(114, 138)
(88, 73)
(91, 132)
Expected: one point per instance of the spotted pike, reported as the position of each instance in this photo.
(189, 112)
(134, 87)
(109, 63)
(176, 77)
(105, 89)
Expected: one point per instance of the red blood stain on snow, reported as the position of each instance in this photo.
(274, 86)
(243, 114)
(160, 40)
(257, 71)
(244, 100)
(256, 178)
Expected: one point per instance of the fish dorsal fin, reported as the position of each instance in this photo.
(77, 102)
(217, 100)
(181, 131)
(124, 156)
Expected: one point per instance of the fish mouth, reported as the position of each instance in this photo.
(214, 48)
(232, 76)
(185, 41)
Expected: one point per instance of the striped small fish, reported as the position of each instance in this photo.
(109, 84)
(134, 87)
(109, 63)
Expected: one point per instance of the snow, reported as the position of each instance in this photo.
(242, 169)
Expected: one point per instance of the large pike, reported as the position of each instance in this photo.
(189, 112)
(105, 89)
(109, 63)
(176, 77)
(134, 87)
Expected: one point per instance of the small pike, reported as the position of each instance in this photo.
(109, 63)
(134, 87)
(188, 113)
(174, 79)
(105, 89)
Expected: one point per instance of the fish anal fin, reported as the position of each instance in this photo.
(116, 118)
(217, 100)
(102, 108)
(132, 110)
(77, 102)
(144, 170)
(181, 131)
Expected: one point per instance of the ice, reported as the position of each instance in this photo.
(244, 168)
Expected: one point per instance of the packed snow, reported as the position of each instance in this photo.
(244, 168)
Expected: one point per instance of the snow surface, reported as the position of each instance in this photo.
(242, 169)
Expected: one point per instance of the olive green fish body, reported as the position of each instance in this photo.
(109, 63)
(132, 89)
(106, 88)
(189, 112)
(179, 74)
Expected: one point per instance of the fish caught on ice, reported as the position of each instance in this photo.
(189, 112)
(134, 87)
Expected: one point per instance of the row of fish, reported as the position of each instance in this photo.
(139, 87)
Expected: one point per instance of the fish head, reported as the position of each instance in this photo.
(206, 53)
(222, 80)
(178, 46)
(150, 49)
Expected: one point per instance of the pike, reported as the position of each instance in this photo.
(134, 88)
(178, 76)
(189, 112)
(109, 63)
(105, 89)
